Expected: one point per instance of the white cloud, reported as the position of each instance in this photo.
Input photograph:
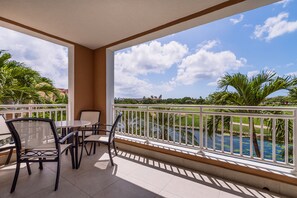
(253, 73)
(213, 84)
(130, 86)
(134, 64)
(143, 59)
(205, 64)
(206, 45)
(284, 3)
(49, 59)
(150, 57)
(292, 73)
(237, 20)
(274, 27)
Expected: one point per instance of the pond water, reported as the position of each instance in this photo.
(280, 147)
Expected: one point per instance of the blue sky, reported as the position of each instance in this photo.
(193, 60)
(187, 63)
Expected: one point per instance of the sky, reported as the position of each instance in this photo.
(188, 63)
(50, 59)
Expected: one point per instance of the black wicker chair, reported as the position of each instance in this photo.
(94, 117)
(36, 140)
(107, 139)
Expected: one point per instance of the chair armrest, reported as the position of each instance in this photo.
(69, 135)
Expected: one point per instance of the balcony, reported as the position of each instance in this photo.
(162, 146)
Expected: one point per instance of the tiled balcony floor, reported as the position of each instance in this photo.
(132, 176)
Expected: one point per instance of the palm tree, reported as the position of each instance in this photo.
(20, 84)
(253, 91)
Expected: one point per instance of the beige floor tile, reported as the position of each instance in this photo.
(94, 181)
(125, 189)
(29, 184)
(66, 190)
(132, 176)
(187, 188)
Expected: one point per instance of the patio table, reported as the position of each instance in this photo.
(70, 126)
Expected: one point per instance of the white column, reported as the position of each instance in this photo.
(109, 85)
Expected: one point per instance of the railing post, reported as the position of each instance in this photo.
(67, 113)
(201, 131)
(294, 171)
(30, 111)
(147, 125)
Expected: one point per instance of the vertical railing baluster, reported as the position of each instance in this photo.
(201, 128)
(262, 138)
(294, 171)
(140, 123)
(186, 123)
(193, 129)
(214, 132)
(251, 137)
(222, 134)
(286, 141)
(168, 126)
(231, 135)
(153, 124)
(180, 133)
(158, 126)
(147, 123)
(121, 129)
(128, 121)
(137, 123)
(173, 127)
(240, 136)
(132, 121)
(125, 121)
(274, 140)
(206, 132)
(163, 126)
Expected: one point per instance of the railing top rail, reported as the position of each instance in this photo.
(271, 108)
(32, 105)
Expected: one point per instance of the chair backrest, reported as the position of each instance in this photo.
(3, 127)
(4, 131)
(114, 126)
(90, 115)
(33, 133)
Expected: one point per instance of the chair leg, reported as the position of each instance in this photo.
(72, 157)
(58, 173)
(40, 164)
(94, 148)
(16, 175)
(109, 152)
(85, 147)
(28, 168)
(9, 157)
(114, 147)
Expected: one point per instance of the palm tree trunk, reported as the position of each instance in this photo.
(255, 140)
(256, 146)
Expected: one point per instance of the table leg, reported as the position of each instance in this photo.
(76, 150)
(82, 149)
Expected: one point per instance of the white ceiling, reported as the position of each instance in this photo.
(96, 23)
